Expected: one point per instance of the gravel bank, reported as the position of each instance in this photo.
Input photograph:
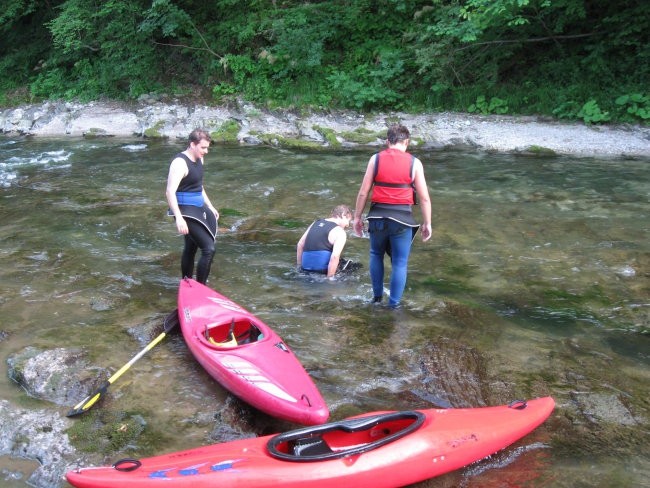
(253, 125)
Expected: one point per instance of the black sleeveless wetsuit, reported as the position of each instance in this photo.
(201, 222)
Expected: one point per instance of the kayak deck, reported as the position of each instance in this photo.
(377, 449)
(246, 356)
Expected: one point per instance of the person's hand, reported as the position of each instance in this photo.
(357, 225)
(426, 232)
(181, 226)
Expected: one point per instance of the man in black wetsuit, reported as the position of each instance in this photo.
(195, 216)
(320, 247)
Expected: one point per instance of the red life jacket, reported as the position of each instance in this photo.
(393, 182)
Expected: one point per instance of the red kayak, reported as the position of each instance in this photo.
(246, 356)
(378, 450)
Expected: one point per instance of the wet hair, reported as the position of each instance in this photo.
(198, 135)
(341, 211)
(397, 133)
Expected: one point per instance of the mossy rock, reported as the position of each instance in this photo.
(227, 133)
(446, 286)
(289, 142)
(363, 136)
(417, 141)
(154, 132)
(329, 135)
(230, 212)
(95, 132)
(108, 432)
(540, 151)
(289, 224)
(392, 120)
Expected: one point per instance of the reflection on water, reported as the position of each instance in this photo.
(538, 264)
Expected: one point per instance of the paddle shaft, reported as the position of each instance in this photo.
(150, 346)
(91, 399)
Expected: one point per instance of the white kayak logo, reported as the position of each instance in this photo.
(226, 304)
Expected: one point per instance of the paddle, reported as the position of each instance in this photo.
(171, 321)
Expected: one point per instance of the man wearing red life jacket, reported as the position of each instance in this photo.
(395, 178)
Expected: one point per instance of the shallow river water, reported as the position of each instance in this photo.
(539, 265)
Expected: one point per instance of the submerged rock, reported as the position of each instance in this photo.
(59, 375)
(37, 435)
(452, 375)
(603, 408)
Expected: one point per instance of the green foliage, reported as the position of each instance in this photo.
(591, 113)
(494, 106)
(636, 105)
(356, 90)
(249, 76)
(530, 56)
(222, 91)
(567, 110)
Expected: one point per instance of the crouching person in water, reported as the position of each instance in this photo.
(320, 247)
(195, 216)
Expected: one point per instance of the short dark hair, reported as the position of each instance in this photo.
(198, 135)
(397, 133)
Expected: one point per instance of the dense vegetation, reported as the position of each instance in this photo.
(577, 59)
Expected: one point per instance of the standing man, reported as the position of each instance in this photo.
(195, 216)
(320, 247)
(394, 176)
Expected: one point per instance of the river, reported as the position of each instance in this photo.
(538, 265)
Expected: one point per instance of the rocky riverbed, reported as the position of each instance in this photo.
(57, 444)
(245, 123)
(59, 377)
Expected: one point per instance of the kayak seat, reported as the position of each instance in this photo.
(230, 343)
(251, 334)
(221, 335)
(310, 446)
(233, 334)
(349, 437)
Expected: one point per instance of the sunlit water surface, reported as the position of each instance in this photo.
(538, 263)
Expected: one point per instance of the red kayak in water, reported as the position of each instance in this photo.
(246, 356)
(378, 450)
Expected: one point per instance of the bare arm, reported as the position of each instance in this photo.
(338, 235)
(423, 199)
(362, 196)
(177, 171)
(300, 247)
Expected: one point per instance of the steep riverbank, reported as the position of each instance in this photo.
(244, 123)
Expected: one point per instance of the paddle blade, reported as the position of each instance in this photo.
(171, 321)
(85, 404)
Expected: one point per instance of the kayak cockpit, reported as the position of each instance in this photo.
(236, 332)
(345, 438)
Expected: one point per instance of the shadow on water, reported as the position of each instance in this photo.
(534, 283)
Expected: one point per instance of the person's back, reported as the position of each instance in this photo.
(390, 179)
(317, 249)
(320, 247)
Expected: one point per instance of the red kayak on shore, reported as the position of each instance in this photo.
(378, 450)
(246, 356)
